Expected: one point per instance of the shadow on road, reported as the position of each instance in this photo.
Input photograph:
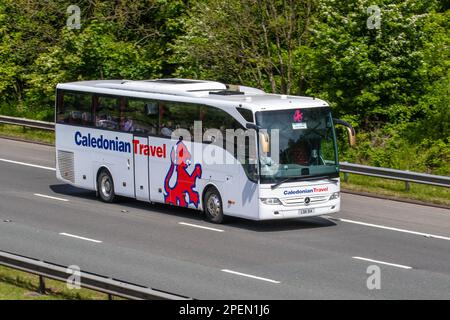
(195, 215)
(67, 189)
(280, 225)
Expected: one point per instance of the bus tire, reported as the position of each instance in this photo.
(105, 186)
(213, 206)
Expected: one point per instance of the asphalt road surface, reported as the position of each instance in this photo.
(175, 250)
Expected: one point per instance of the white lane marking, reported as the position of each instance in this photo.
(49, 197)
(382, 262)
(201, 227)
(428, 235)
(78, 237)
(28, 164)
(249, 276)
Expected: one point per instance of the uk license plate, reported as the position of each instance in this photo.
(306, 211)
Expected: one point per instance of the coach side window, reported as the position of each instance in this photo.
(214, 118)
(74, 108)
(177, 115)
(140, 116)
(107, 112)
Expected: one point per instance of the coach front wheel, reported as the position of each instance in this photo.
(213, 206)
(105, 186)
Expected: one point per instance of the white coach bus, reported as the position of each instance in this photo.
(225, 150)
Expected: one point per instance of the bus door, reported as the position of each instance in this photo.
(141, 170)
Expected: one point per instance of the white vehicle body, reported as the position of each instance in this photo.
(148, 174)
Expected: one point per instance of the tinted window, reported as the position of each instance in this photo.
(246, 113)
(107, 112)
(74, 108)
(140, 116)
(177, 115)
(214, 118)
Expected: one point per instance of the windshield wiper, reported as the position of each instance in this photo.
(303, 178)
(283, 181)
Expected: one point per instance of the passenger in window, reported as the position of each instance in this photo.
(75, 117)
(86, 118)
(128, 125)
(101, 119)
(167, 130)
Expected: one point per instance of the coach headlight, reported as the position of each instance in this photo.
(273, 201)
(335, 195)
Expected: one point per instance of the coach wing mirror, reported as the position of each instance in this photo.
(350, 131)
(264, 141)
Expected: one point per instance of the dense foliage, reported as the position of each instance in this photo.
(391, 83)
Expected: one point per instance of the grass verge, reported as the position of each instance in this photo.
(18, 285)
(29, 134)
(396, 189)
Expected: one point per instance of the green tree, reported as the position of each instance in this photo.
(121, 39)
(373, 74)
(253, 42)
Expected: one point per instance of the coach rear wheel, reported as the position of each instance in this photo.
(105, 186)
(213, 206)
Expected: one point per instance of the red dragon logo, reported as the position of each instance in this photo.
(180, 158)
(298, 116)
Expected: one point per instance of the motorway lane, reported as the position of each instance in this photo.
(146, 244)
(27, 152)
(396, 214)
